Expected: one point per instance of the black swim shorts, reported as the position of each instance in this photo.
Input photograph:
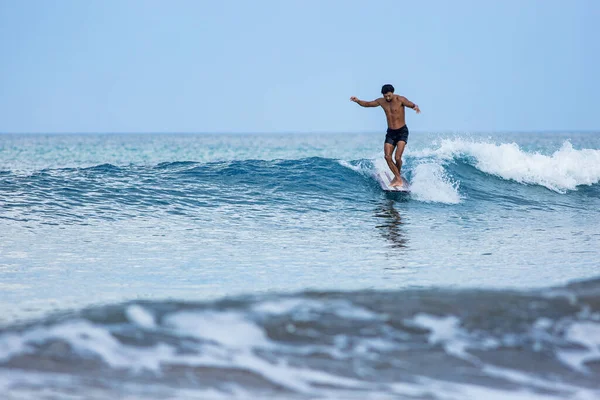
(397, 135)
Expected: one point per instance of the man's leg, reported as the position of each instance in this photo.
(388, 149)
(398, 157)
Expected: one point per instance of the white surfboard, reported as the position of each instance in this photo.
(385, 178)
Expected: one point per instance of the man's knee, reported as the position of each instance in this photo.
(388, 157)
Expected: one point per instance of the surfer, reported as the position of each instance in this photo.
(397, 132)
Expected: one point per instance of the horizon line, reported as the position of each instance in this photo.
(546, 131)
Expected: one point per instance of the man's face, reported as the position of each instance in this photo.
(388, 96)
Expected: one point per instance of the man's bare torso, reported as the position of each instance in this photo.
(394, 111)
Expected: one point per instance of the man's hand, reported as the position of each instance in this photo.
(354, 99)
(417, 109)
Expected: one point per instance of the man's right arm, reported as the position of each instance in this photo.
(362, 103)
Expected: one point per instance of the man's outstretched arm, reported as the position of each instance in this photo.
(407, 103)
(362, 103)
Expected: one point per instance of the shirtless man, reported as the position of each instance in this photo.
(397, 133)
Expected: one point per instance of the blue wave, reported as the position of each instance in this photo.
(192, 184)
(321, 344)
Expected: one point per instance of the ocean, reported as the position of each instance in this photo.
(273, 266)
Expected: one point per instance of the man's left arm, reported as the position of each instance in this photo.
(407, 103)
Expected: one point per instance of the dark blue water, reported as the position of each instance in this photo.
(118, 254)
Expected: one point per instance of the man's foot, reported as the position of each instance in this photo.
(396, 182)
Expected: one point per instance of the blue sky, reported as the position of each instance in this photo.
(291, 65)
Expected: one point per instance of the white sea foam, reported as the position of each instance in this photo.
(341, 308)
(430, 183)
(361, 167)
(445, 331)
(563, 170)
(88, 338)
(227, 328)
(235, 339)
(239, 337)
(586, 335)
(286, 306)
(140, 316)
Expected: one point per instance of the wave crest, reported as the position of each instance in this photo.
(561, 171)
(324, 344)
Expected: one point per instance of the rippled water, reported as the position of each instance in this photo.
(173, 219)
